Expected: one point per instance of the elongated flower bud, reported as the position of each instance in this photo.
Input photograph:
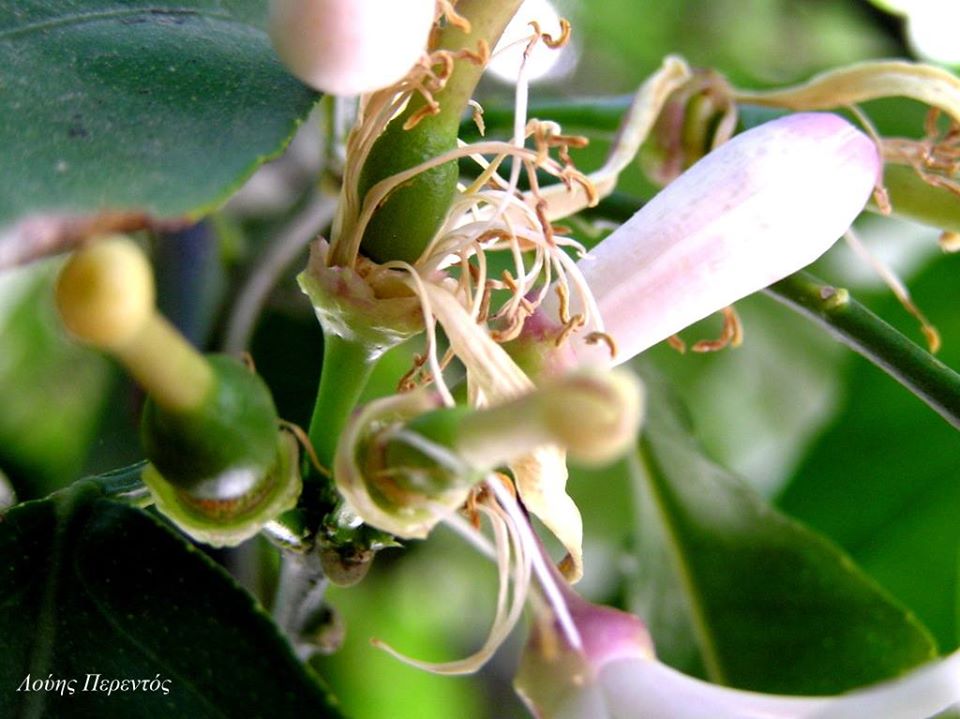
(765, 204)
(348, 47)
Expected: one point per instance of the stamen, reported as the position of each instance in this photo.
(429, 323)
(477, 109)
(508, 541)
(899, 289)
(563, 39)
(453, 17)
(547, 581)
(304, 441)
(949, 241)
(597, 337)
(730, 336)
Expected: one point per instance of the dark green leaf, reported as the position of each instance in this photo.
(137, 105)
(772, 606)
(93, 587)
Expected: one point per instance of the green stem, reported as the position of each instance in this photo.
(346, 369)
(864, 332)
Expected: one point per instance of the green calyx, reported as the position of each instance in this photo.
(233, 429)
(230, 520)
(222, 469)
(415, 469)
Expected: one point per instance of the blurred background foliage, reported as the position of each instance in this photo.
(834, 441)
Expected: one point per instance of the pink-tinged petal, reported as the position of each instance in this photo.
(649, 689)
(348, 47)
(614, 675)
(765, 204)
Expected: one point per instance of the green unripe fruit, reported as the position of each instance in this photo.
(404, 224)
(222, 447)
(402, 227)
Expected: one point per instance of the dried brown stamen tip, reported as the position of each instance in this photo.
(471, 508)
(484, 313)
(508, 280)
(431, 108)
(607, 339)
(563, 295)
(555, 43)
(480, 56)
(247, 359)
(477, 110)
(949, 241)
(507, 482)
(882, 198)
(541, 210)
(446, 10)
(935, 158)
(406, 382)
(445, 60)
(575, 323)
(677, 344)
(730, 336)
(515, 326)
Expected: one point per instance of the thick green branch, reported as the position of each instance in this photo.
(861, 330)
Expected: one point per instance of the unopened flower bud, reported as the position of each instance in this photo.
(764, 205)
(349, 47)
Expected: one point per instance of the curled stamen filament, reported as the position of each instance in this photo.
(430, 327)
(513, 562)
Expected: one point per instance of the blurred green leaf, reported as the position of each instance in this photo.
(137, 105)
(433, 602)
(760, 588)
(884, 480)
(94, 587)
(757, 407)
(40, 369)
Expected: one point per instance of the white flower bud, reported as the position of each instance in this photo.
(760, 207)
(348, 47)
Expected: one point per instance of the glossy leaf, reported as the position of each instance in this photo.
(772, 606)
(94, 587)
(134, 105)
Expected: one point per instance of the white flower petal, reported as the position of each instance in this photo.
(760, 207)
